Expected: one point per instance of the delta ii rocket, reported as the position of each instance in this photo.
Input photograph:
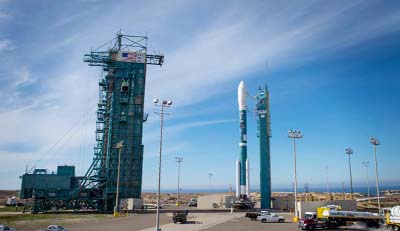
(242, 163)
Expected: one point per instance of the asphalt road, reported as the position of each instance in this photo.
(199, 221)
(208, 222)
(196, 221)
(134, 222)
(244, 223)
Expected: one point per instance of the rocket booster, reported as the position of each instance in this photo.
(237, 177)
(242, 164)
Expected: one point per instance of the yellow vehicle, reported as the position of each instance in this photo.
(393, 218)
(321, 210)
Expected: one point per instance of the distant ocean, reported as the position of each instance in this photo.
(363, 190)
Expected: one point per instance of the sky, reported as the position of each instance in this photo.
(332, 69)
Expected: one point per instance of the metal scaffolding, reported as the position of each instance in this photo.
(120, 117)
(264, 135)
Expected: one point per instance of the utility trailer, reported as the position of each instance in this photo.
(328, 218)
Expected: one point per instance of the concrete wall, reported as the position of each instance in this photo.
(215, 201)
(283, 203)
(131, 203)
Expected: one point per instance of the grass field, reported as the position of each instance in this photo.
(11, 209)
(43, 220)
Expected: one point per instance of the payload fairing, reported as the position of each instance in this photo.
(242, 164)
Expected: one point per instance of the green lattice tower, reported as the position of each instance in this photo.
(120, 117)
(264, 134)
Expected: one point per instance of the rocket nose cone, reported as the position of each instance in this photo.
(242, 86)
(242, 96)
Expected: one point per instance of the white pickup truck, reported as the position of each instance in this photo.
(266, 216)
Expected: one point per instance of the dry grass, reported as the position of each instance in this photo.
(40, 221)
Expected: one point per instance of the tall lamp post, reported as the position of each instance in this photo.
(366, 164)
(209, 180)
(376, 142)
(327, 182)
(295, 135)
(179, 160)
(163, 104)
(119, 146)
(349, 152)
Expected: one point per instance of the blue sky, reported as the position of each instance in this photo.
(332, 69)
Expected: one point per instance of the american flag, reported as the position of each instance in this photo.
(133, 57)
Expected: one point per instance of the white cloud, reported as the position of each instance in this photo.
(234, 47)
(4, 14)
(173, 134)
(22, 77)
(176, 129)
(5, 45)
(53, 122)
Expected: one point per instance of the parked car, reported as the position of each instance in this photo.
(270, 218)
(193, 202)
(6, 228)
(253, 215)
(152, 206)
(55, 228)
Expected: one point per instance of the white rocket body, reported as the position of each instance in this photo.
(242, 96)
(239, 188)
(242, 163)
(247, 178)
(237, 177)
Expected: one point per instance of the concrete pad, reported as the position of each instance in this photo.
(133, 222)
(199, 221)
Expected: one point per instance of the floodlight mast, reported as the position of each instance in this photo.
(375, 142)
(295, 134)
(179, 160)
(164, 104)
(209, 180)
(119, 146)
(349, 152)
(366, 164)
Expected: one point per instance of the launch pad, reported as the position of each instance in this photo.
(242, 163)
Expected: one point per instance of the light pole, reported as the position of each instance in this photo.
(376, 142)
(349, 152)
(327, 183)
(179, 160)
(366, 164)
(163, 104)
(119, 145)
(209, 179)
(295, 135)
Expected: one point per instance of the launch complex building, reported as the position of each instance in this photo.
(119, 129)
